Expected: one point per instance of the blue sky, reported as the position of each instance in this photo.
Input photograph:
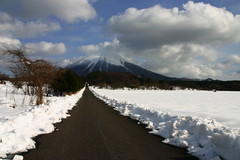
(179, 38)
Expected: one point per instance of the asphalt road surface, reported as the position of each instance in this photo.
(96, 132)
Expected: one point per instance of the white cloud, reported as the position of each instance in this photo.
(11, 27)
(8, 42)
(62, 62)
(34, 48)
(104, 48)
(184, 60)
(69, 11)
(157, 26)
(46, 48)
(230, 65)
(192, 69)
(233, 59)
(89, 49)
(35, 28)
(179, 43)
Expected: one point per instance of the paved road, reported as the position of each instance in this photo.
(96, 132)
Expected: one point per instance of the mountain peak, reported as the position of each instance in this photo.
(113, 63)
(94, 59)
(114, 60)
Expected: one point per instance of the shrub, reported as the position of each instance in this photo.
(67, 82)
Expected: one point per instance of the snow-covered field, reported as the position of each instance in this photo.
(206, 123)
(20, 121)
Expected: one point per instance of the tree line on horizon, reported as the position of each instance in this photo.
(121, 79)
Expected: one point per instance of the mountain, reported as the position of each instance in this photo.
(112, 64)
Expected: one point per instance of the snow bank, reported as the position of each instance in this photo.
(18, 129)
(203, 137)
(12, 100)
(223, 106)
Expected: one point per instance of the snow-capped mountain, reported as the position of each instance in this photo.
(112, 64)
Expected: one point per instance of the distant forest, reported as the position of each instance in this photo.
(67, 80)
(120, 80)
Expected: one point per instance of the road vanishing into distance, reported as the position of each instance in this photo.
(96, 132)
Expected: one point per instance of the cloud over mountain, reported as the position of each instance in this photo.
(106, 48)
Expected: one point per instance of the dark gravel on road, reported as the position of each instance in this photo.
(96, 132)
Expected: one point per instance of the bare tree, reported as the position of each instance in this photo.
(3, 77)
(35, 74)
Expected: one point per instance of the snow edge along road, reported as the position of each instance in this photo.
(204, 138)
(17, 132)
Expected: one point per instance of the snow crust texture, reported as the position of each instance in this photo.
(19, 126)
(204, 138)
